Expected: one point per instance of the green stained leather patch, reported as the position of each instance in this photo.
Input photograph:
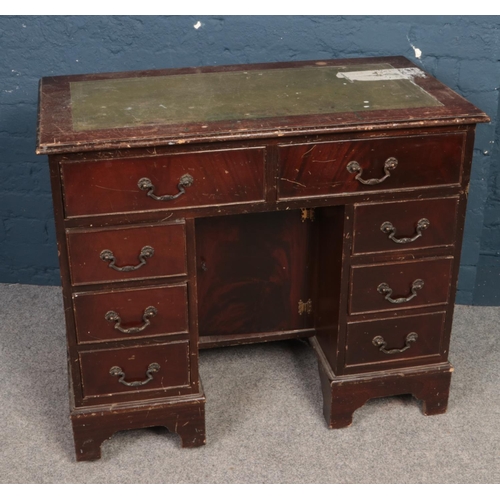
(238, 95)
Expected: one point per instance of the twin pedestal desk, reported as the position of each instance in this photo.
(205, 207)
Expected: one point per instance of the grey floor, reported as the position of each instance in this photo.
(264, 420)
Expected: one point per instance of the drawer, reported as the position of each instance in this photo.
(337, 168)
(126, 253)
(405, 225)
(163, 182)
(397, 286)
(415, 339)
(135, 369)
(131, 313)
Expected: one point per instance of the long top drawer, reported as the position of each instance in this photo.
(368, 165)
(124, 185)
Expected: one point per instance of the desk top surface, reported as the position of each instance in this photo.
(143, 108)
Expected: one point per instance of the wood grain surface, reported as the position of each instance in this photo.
(85, 246)
(111, 186)
(320, 169)
(252, 272)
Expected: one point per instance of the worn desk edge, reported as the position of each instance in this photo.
(160, 135)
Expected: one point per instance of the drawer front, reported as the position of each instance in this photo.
(322, 169)
(400, 286)
(386, 341)
(157, 367)
(404, 225)
(122, 254)
(133, 313)
(183, 180)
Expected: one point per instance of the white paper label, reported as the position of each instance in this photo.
(382, 74)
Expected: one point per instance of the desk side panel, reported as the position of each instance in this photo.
(332, 247)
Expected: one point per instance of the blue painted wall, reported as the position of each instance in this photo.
(462, 51)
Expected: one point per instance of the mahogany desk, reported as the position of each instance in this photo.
(202, 207)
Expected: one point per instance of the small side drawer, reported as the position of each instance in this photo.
(180, 180)
(122, 254)
(131, 313)
(339, 168)
(406, 225)
(147, 368)
(400, 286)
(380, 343)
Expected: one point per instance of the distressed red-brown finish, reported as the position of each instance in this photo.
(404, 216)
(173, 359)
(111, 186)
(363, 355)
(364, 296)
(56, 134)
(252, 272)
(126, 243)
(233, 257)
(321, 169)
(90, 308)
(342, 396)
(330, 288)
(185, 417)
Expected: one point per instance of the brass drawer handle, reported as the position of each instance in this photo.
(118, 372)
(146, 253)
(382, 344)
(384, 288)
(149, 312)
(388, 228)
(353, 167)
(146, 185)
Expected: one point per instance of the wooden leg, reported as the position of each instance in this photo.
(192, 433)
(91, 428)
(190, 427)
(434, 395)
(339, 402)
(343, 395)
(348, 393)
(340, 418)
(435, 406)
(88, 441)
